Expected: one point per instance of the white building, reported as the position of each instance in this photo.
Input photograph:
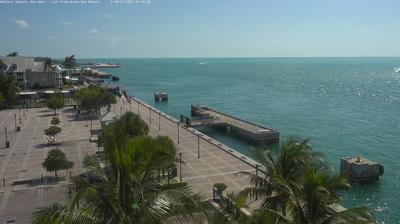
(31, 74)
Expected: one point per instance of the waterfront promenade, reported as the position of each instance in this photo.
(217, 162)
(22, 188)
(28, 187)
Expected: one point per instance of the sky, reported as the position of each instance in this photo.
(203, 28)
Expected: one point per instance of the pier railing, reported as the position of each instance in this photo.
(257, 166)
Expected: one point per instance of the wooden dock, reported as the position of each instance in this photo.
(205, 116)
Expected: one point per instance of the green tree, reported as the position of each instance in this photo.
(55, 102)
(230, 211)
(70, 62)
(92, 99)
(295, 187)
(48, 64)
(12, 54)
(3, 67)
(56, 160)
(9, 89)
(55, 121)
(52, 132)
(2, 101)
(128, 126)
(126, 190)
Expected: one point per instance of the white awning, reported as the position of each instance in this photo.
(26, 93)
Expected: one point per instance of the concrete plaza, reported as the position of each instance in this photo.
(26, 187)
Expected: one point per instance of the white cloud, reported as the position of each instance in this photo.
(21, 23)
(114, 39)
(93, 31)
(68, 23)
(52, 37)
(108, 15)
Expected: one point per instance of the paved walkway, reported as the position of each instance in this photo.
(22, 161)
(28, 148)
(217, 162)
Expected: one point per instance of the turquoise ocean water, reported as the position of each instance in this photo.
(347, 106)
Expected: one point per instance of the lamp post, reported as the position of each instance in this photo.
(159, 119)
(198, 145)
(150, 114)
(256, 175)
(178, 130)
(7, 142)
(19, 112)
(91, 126)
(15, 122)
(180, 166)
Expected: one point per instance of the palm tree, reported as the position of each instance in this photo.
(48, 65)
(230, 210)
(122, 188)
(128, 126)
(12, 54)
(3, 67)
(70, 62)
(296, 188)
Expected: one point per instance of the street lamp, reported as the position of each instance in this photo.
(159, 119)
(180, 166)
(198, 145)
(7, 142)
(177, 123)
(150, 114)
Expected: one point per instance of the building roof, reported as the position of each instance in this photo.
(21, 64)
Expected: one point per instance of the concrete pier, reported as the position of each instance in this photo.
(160, 96)
(205, 116)
(206, 160)
(360, 169)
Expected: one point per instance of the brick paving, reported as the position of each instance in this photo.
(28, 148)
(22, 161)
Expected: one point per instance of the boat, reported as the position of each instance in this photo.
(115, 78)
(104, 65)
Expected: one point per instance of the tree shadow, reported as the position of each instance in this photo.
(46, 180)
(41, 145)
(69, 110)
(47, 115)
